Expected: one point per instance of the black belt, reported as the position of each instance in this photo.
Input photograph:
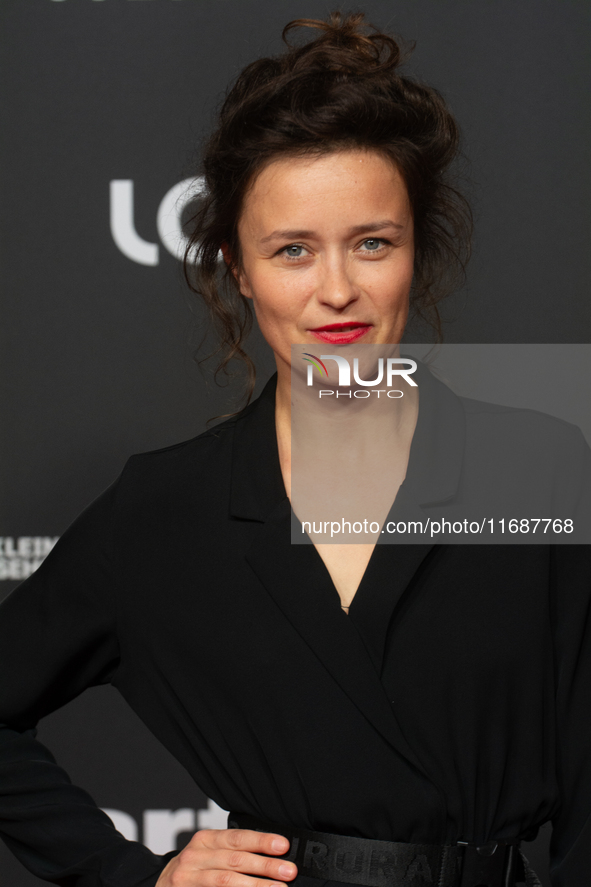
(393, 863)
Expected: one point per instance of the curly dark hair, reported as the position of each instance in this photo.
(341, 90)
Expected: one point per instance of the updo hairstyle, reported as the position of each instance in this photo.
(341, 90)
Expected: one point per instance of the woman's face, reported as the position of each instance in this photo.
(327, 251)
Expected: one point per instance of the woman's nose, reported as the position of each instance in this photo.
(337, 287)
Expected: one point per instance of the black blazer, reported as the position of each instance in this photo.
(453, 703)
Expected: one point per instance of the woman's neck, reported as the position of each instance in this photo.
(372, 424)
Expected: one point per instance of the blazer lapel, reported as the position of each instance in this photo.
(389, 578)
(433, 475)
(296, 578)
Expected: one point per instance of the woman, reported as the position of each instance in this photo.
(448, 711)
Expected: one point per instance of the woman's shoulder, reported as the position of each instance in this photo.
(211, 439)
(522, 424)
(200, 452)
(207, 457)
(200, 463)
(537, 462)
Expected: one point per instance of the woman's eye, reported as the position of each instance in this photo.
(372, 244)
(294, 251)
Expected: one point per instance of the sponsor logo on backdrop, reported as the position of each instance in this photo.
(21, 555)
(168, 220)
(161, 828)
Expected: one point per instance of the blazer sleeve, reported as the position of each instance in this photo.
(570, 844)
(57, 637)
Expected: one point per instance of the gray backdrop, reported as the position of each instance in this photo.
(98, 333)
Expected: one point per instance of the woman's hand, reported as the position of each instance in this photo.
(226, 858)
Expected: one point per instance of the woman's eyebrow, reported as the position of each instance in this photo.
(286, 235)
(358, 229)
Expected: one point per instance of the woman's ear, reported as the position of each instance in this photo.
(244, 285)
(239, 276)
(226, 254)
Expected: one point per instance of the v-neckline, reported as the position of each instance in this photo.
(361, 584)
(293, 579)
(388, 578)
(301, 588)
(389, 574)
(333, 584)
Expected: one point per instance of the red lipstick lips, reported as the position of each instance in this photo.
(341, 333)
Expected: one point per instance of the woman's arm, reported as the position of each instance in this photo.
(57, 637)
(570, 846)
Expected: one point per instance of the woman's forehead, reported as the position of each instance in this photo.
(334, 167)
(343, 185)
